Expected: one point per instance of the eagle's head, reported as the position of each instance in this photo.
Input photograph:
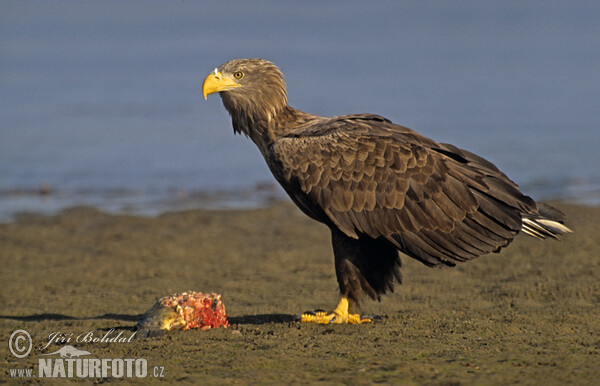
(253, 90)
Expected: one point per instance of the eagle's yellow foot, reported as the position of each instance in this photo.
(340, 315)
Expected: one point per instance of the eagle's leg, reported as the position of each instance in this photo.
(363, 266)
(340, 315)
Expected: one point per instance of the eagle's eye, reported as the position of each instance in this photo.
(238, 75)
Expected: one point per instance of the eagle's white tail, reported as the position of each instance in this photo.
(542, 228)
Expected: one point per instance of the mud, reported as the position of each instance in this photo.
(529, 315)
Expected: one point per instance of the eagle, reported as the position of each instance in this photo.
(380, 188)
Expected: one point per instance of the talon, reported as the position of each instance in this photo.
(339, 316)
(308, 317)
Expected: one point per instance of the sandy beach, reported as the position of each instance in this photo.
(529, 315)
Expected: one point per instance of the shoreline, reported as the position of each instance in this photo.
(49, 201)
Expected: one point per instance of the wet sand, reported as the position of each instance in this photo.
(529, 315)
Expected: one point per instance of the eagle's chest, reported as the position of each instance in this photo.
(292, 187)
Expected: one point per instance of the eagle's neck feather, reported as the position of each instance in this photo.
(262, 120)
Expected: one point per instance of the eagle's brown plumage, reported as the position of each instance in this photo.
(380, 187)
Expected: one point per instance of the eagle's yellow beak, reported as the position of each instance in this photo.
(216, 82)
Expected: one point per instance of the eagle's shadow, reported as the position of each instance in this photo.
(263, 319)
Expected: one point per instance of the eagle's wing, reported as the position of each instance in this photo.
(435, 202)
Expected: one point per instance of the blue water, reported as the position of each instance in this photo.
(100, 102)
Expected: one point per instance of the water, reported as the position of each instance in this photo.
(100, 102)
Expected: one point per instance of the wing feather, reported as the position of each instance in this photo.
(367, 176)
